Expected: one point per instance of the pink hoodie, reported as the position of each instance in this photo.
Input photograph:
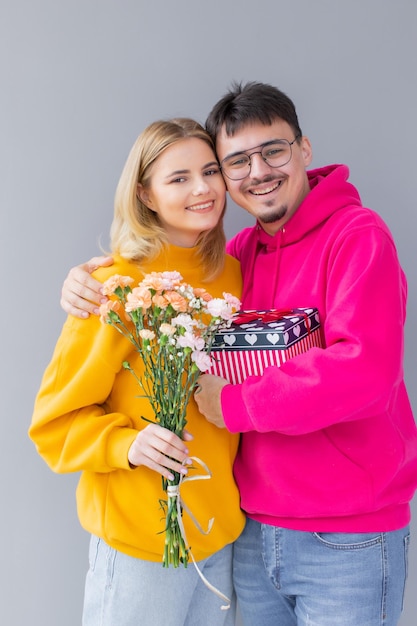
(329, 441)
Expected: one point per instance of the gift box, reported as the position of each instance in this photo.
(258, 339)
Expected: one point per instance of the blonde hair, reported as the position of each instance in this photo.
(136, 232)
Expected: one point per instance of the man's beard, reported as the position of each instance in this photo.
(275, 215)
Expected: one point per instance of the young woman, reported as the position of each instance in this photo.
(169, 208)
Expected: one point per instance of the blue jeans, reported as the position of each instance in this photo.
(290, 578)
(123, 591)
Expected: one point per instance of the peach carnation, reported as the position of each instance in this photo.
(111, 284)
(110, 305)
(167, 329)
(153, 281)
(202, 294)
(177, 301)
(139, 298)
(160, 301)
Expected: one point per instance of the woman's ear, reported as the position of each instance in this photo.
(144, 196)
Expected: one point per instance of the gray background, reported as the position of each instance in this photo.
(79, 81)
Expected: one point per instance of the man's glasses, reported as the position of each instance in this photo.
(275, 153)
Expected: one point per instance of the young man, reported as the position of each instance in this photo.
(328, 459)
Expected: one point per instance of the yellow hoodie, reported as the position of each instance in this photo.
(87, 414)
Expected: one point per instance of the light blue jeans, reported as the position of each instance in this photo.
(291, 578)
(123, 591)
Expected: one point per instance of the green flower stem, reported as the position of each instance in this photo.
(175, 550)
(169, 374)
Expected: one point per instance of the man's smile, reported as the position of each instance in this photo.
(257, 191)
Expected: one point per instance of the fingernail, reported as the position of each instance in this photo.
(96, 311)
(170, 476)
(188, 462)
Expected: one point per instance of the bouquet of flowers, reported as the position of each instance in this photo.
(172, 326)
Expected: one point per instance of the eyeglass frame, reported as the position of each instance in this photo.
(254, 151)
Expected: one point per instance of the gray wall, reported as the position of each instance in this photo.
(79, 80)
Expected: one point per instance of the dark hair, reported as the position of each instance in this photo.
(252, 102)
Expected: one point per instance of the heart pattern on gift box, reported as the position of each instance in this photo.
(255, 334)
(273, 338)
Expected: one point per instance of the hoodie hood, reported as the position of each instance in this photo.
(330, 192)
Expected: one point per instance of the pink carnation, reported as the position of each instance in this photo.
(184, 320)
(232, 300)
(219, 308)
(171, 279)
(202, 360)
(189, 340)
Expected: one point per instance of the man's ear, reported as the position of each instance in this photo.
(307, 150)
(143, 196)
